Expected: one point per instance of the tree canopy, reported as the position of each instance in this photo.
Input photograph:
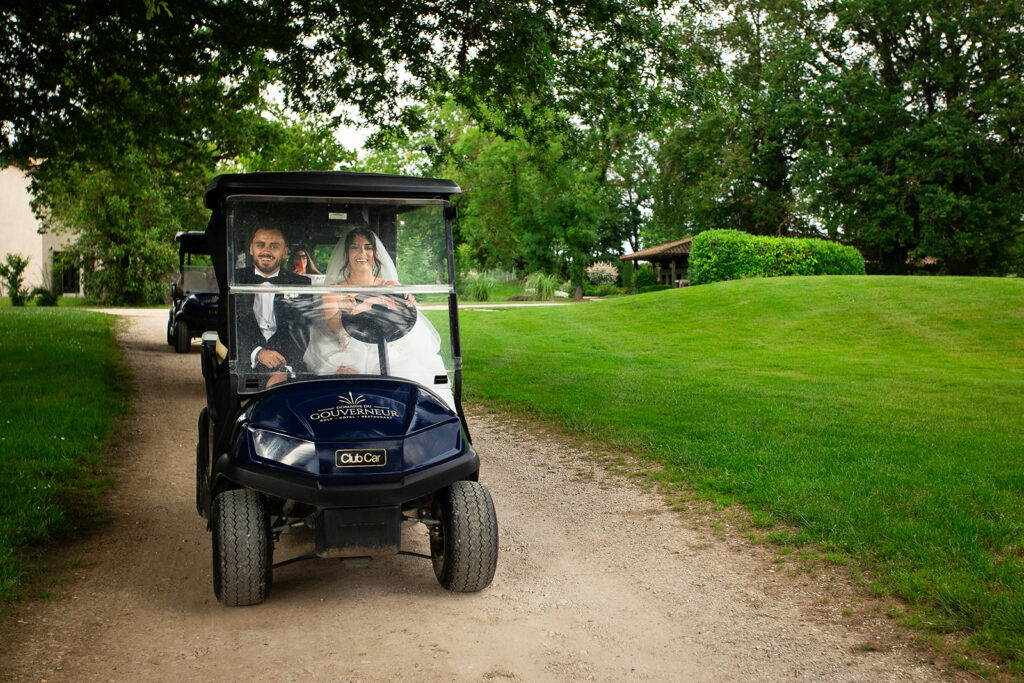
(93, 89)
(574, 126)
(893, 126)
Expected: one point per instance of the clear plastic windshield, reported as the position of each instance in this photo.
(197, 280)
(322, 287)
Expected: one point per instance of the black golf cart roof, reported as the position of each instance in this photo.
(192, 242)
(326, 183)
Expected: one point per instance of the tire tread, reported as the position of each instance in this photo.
(242, 549)
(471, 538)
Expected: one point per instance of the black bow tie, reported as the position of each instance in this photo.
(262, 278)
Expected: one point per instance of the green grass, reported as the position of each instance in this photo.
(62, 386)
(880, 417)
(62, 302)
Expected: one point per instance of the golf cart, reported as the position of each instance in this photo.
(194, 294)
(355, 429)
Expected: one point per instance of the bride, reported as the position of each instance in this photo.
(360, 260)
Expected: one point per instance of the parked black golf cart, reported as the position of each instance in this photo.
(194, 294)
(357, 429)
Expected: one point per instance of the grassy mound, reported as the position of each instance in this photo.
(881, 416)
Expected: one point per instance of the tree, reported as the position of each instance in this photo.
(287, 142)
(917, 150)
(91, 87)
(729, 163)
(132, 210)
(525, 208)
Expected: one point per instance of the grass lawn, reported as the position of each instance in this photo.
(61, 388)
(881, 417)
(63, 302)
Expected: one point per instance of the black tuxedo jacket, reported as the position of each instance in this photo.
(291, 336)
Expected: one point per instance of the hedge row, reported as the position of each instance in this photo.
(717, 255)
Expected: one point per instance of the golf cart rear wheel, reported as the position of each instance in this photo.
(182, 337)
(243, 550)
(170, 330)
(464, 545)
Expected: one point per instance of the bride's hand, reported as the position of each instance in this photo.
(409, 298)
(334, 305)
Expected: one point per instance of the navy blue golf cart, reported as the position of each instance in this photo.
(194, 294)
(334, 400)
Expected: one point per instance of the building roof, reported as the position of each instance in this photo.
(661, 252)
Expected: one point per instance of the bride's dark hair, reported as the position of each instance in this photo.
(369, 235)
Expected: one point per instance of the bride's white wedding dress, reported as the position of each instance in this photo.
(416, 356)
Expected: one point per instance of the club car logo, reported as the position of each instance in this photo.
(351, 407)
(367, 457)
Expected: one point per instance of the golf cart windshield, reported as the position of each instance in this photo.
(325, 287)
(197, 280)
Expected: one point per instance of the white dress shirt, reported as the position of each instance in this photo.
(263, 309)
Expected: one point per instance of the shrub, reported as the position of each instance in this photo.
(627, 275)
(602, 273)
(48, 296)
(45, 297)
(481, 286)
(718, 255)
(644, 277)
(13, 271)
(541, 286)
(606, 289)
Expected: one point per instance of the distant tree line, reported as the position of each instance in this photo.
(573, 127)
(893, 126)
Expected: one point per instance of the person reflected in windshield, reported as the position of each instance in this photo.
(269, 331)
(360, 260)
(302, 263)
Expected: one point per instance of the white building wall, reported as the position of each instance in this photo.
(19, 229)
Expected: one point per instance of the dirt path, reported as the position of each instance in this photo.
(596, 580)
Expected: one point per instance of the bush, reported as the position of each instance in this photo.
(717, 255)
(13, 271)
(602, 273)
(45, 297)
(481, 286)
(541, 286)
(644, 277)
(627, 275)
(48, 296)
(606, 289)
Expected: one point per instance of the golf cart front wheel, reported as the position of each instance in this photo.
(464, 543)
(243, 550)
(170, 330)
(182, 337)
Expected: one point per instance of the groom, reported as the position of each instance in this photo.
(270, 333)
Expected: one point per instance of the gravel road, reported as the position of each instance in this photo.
(598, 579)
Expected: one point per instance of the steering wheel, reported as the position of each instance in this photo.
(380, 324)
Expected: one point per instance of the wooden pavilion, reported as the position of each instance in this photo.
(670, 261)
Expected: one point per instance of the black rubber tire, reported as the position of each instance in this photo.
(464, 545)
(170, 329)
(182, 337)
(243, 551)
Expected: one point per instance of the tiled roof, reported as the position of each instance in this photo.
(677, 248)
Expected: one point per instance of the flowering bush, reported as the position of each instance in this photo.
(602, 273)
